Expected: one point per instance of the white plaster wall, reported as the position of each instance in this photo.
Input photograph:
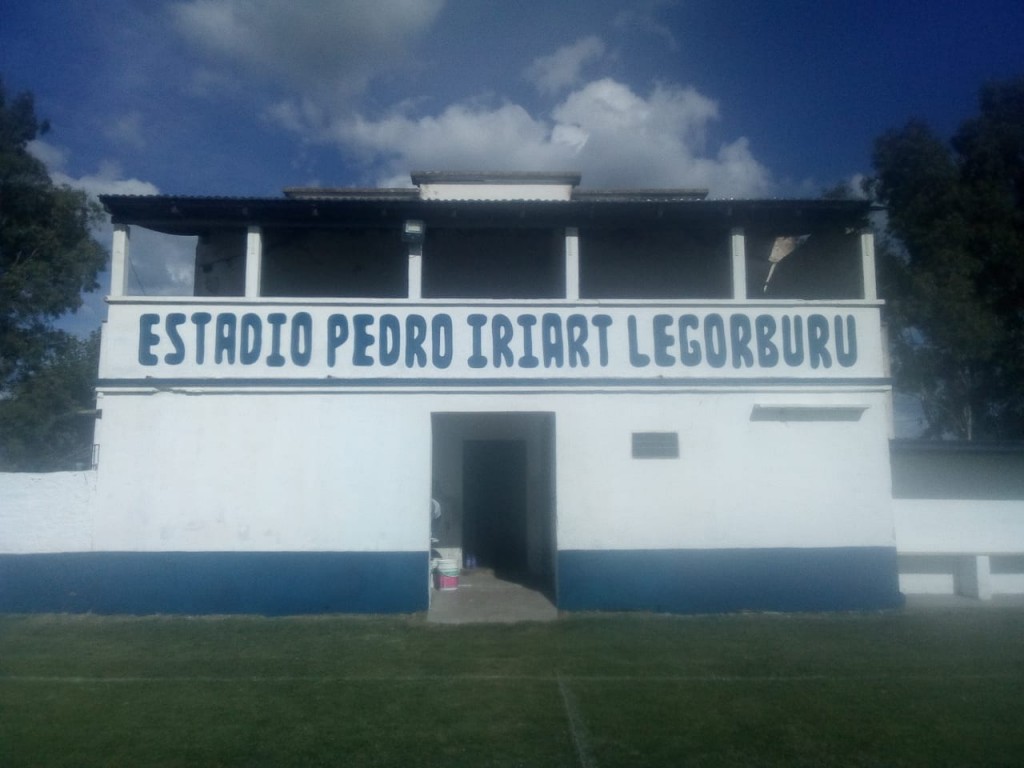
(1007, 583)
(263, 472)
(940, 526)
(737, 483)
(495, 191)
(928, 583)
(351, 471)
(49, 512)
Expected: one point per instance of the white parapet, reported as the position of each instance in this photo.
(51, 512)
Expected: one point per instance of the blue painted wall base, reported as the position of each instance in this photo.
(283, 583)
(268, 583)
(720, 580)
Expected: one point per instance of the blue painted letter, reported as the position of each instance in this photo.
(148, 339)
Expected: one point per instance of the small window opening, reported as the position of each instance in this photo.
(655, 445)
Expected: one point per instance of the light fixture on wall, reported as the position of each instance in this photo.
(412, 232)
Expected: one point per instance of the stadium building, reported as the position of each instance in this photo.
(641, 400)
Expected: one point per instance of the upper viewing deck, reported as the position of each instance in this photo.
(507, 277)
(480, 236)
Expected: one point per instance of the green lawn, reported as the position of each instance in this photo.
(941, 688)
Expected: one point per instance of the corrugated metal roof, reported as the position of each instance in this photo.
(357, 207)
(638, 195)
(693, 197)
(352, 193)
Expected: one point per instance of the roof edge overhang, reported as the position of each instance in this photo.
(649, 195)
(178, 214)
(351, 193)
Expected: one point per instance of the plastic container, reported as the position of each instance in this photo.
(446, 575)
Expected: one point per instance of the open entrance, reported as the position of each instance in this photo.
(494, 520)
(493, 479)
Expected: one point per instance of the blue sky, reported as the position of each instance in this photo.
(746, 97)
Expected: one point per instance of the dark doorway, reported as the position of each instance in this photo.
(493, 476)
(494, 499)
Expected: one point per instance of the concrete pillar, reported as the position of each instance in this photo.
(572, 264)
(739, 264)
(416, 270)
(867, 260)
(975, 577)
(413, 234)
(253, 262)
(119, 260)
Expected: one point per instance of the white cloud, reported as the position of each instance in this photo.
(855, 185)
(614, 136)
(107, 180)
(329, 47)
(302, 116)
(53, 157)
(462, 137)
(677, 115)
(642, 19)
(562, 69)
(306, 64)
(126, 130)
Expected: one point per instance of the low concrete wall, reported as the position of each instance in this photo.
(958, 511)
(945, 546)
(946, 526)
(50, 512)
(960, 546)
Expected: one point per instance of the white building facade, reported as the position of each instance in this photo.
(639, 400)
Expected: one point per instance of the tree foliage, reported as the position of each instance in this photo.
(952, 269)
(46, 422)
(48, 257)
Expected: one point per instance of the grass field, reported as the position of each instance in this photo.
(939, 688)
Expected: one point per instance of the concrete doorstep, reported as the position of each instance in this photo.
(484, 597)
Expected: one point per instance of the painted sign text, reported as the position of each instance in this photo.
(497, 340)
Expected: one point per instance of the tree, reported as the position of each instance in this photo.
(952, 266)
(48, 257)
(46, 423)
